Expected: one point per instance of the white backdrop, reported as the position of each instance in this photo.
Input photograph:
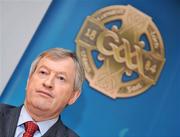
(19, 20)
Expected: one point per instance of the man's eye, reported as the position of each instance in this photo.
(61, 78)
(42, 72)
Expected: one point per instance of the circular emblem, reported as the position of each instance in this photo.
(122, 51)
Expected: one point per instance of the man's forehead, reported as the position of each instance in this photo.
(55, 59)
(56, 63)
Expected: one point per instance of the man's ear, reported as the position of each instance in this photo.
(74, 97)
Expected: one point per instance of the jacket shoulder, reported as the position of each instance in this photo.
(71, 133)
(60, 130)
(68, 132)
(5, 107)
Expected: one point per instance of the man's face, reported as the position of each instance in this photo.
(51, 87)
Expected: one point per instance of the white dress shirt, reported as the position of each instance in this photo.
(43, 125)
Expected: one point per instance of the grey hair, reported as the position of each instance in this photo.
(60, 53)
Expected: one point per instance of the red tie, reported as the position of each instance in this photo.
(30, 129)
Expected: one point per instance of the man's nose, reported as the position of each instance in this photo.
(49, 82)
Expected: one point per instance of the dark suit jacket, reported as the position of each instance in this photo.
(9, 116)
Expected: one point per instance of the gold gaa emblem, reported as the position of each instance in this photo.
(118, 61)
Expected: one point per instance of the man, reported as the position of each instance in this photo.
(55, 81)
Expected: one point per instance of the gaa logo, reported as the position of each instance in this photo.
(120, 60)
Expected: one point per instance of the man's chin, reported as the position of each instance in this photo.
(41, 105)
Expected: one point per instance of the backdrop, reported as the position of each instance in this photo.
(153, 113)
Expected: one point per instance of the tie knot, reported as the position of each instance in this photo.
(30, 129)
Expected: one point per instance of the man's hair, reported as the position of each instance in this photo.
(60, 53)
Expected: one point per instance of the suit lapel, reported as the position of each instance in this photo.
(13, 119)
(57, 130)
(9, 119)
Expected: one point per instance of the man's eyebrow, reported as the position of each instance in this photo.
(62, 73)
(43, 67)
(58, 73)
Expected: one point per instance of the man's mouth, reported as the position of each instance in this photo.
(44, 93)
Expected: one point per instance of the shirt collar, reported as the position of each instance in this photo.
(43, 125)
